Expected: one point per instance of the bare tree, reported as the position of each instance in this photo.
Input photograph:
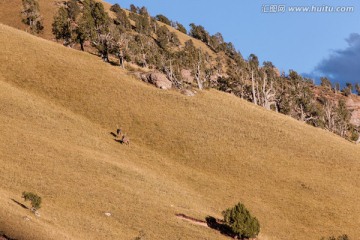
(268, 94)
(120, 47)
(198, 71)
(253, 88)
(171, 75)
(329, 115)
(104, 43)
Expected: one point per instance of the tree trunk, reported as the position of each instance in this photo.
(328, 114)
(253, 88)
(269, 96)
(198, 73)
(144, 61)
(302, 114)
(122, 62)
(257, 93)
(198, 78)
(82, 45)
(105, 56)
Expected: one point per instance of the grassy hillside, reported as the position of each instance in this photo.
(10, 14)
(12, 17)
(192, 155)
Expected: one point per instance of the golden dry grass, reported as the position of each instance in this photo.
(192, 155)
(10, 14)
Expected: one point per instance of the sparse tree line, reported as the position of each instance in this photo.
(133, 37)
(31, 15)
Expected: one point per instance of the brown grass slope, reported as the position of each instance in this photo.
(195, 156)
(10, 14)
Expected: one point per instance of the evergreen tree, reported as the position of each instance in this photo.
(199, 32)
(142, 23)
(86, 29)
(144, 12)
(230, 49)
(357, 88)
(31, 15)
(122, 20)
(100, 17)
(253, 62)
(350, 86)
(73, 9)
(216, 42)
(174, 39)
(61, 26)
(72, 25)
(348, 89)
(82, 33)
(115, 8)
(181, 27)
(241, 222)
(133, 8)
(163, 19)
(325, 82)
(163, 37)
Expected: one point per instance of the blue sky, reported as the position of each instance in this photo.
(310, 43)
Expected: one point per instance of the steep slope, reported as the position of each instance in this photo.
(195, 156)
(10, 14)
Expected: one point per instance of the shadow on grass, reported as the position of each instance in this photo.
(18, 203)
(115, 139)
(218, 225)
(3, 236)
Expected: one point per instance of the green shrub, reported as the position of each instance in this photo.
(115, 8)
(241, 222)
(341, 237)
(354, 136)
(141, 236)
(33, 198)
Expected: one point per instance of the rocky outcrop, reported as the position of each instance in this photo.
(187, 92)
(353, 104)
(186, 76)
(158, 79)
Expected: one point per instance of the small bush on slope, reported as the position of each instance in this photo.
(241, 221)
(33, 198)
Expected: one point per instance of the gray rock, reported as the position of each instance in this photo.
(158, 79)
(188, 92)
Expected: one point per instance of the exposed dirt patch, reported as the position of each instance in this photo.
(192, 220)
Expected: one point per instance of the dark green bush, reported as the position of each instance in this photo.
(241, 222)
(354, 136)
(163, 19)
(115, 8)
(33, 198)
(341, 237)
